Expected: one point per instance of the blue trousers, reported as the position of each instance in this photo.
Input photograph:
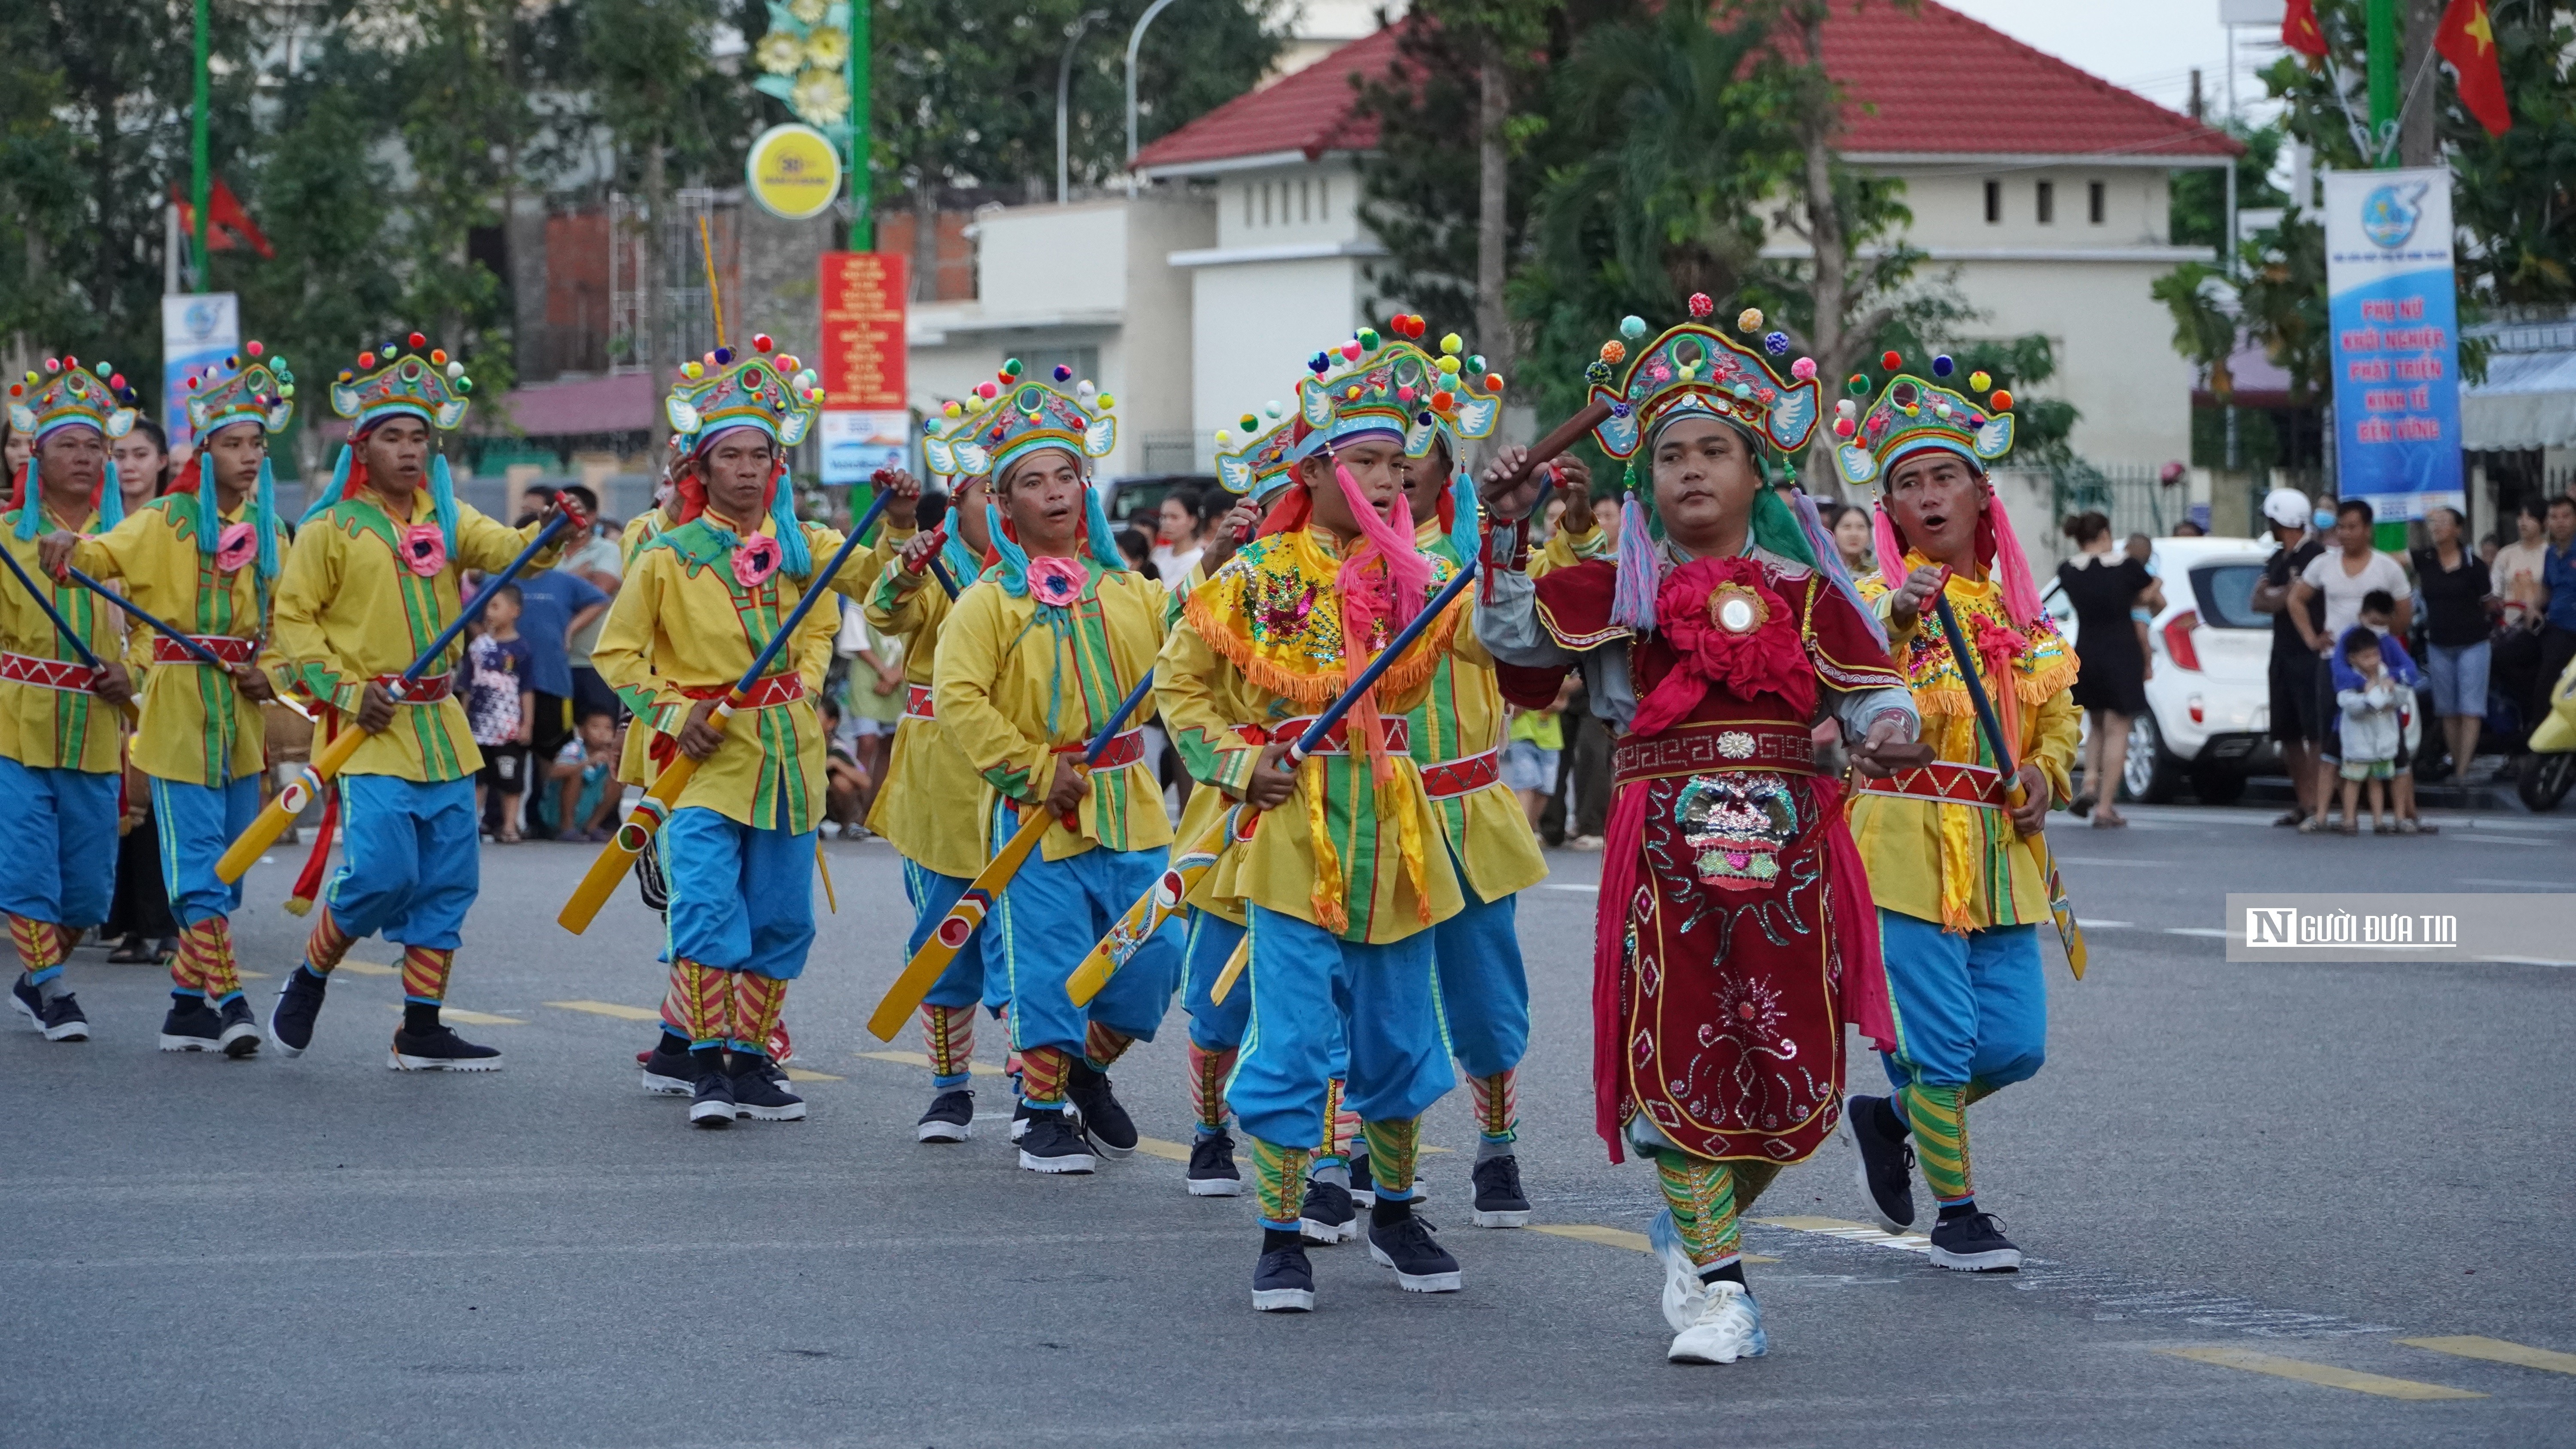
(965, 981)
(197, 822)
(742, 899)
(1215, 1026)
(1970, 1007)
(413, 866)
(58, 854)
(1049, 917)
(1484, 991)
(1317, 1001)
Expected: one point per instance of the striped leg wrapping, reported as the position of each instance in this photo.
(1209, 1072)
(948, 1039)
(41, 946)
(327, 944)
(1042, 1072)
(1279, 1182)
(1498, 1104)
(1339, 1123)
(1940, 1121)
(424, 973)
(1701, 1194)
(703, 999)
(757, 1002)
(1102, 1045)
(1391, 1148)
(188, 965)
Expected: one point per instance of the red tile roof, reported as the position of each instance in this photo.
(1920, 83)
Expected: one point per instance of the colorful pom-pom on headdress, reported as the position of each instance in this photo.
(760, 389)
(68, 395)
(1389, 385)
(1913, 415)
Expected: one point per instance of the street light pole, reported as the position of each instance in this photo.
(862, 192)
(201, 182)
(1063, 92)
(1136, 38)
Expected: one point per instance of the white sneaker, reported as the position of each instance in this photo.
(1682, 1288)
(1729, 1327)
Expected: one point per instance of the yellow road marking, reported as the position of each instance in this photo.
(1850, 1232)
(252, 975)
(1614, 1238)
(366, 968)
(916, 1059)
(799, 1074)
(616, 1009)
(2318, 1373)
(2499, 1351)
(1168, 1151)
(470, 1018)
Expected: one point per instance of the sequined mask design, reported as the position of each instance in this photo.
(1736, 825)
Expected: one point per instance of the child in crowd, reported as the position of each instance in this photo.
(846, 783)
(580, 806)
(500, 707)
(1531, 748)
(2379, 615)
(2369, 727)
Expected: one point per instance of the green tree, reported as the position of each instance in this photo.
(2199, 205)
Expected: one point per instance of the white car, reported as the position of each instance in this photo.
(2209, 712)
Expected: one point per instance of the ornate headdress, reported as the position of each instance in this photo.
(69, 395)
(388, 383)
(1377, 386)
(1252, 459)
(776, 396)
(261, 391)
(1914, 415)
(1693, 370)
(940, 435)
(1012, 418)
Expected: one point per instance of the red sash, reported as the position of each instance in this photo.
(1950, 784)
(166, 650)
(64, 674)
(1337, 740)
(1451, 778)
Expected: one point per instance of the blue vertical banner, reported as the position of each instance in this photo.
(198, 329)
(2392, 304)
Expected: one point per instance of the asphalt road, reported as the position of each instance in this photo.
(2244, 1189)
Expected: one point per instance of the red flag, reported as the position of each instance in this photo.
(2467, 41)
(224, 220)
(2299, 29)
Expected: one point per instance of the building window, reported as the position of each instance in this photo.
(1994, 204)
(1247, 203)
(2047, 203)
(2096, 201)
(1305, 199)
(1265, 203)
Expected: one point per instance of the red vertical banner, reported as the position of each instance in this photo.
(863, 330)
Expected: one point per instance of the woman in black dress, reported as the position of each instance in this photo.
(2111, 653)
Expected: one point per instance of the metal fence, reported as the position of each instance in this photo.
(1172, 453)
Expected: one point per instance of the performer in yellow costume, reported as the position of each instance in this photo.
(1960, 894)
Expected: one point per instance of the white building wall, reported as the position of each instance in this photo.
(1253, 327)
(2115, 358)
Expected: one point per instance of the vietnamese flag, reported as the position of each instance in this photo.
(2467, 41)
(2300, 31)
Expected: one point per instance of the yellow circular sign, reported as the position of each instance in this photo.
(793, 171)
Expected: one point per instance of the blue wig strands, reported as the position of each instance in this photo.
(1465, 521)
(1632, 600)
(1095, 522)
(204, 506)
(267, 521)
(793, 555)
(1829, 560)
(339, 488)
(111, 503)
(1013, 570)
(442, 497)
(111, 500)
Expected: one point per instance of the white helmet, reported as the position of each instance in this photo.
(2287, 507)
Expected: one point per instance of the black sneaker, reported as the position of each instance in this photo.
(1886, 1160)
(1283, 1282)
(29, 1001)
(1212, 1172)
(1020, 1115)
(1363, 1187)
(191, 1027)
(760, 1093)
(1098, 1110)
(670, 1074)
(1052, 1145)
(951, 1118)
(440, 1049)
(240, 1029)
(711, 1104)
(1327, 1215)
(59, 1019)
(299, 1003)
(1421, 1265)
(1974, 1242)
(1499, 1203)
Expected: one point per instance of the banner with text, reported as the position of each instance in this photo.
(197, 330)
(864, 296)
(2392, 307)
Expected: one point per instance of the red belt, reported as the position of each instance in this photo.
(428, 689)
(166, 650)
(1125, 749)
(916, 702)
(64, 674)
(1337, 740)
(1462, 777)
(1977, 785)
(766, 691)
(1695, 749)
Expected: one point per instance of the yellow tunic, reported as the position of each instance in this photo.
(1960, 865)
(56, 729)
(635, 764)
(684, 628)
(925, 774)
(349, 609)
(1256, 647)
(1462, 716)
(198, 727)
(1016, 684)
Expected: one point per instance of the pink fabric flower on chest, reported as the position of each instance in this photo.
(1057, 581)
(235, 547)
(756, 561)
(423, 549)
(1729, 629)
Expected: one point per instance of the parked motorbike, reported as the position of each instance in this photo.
(2550, 768)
